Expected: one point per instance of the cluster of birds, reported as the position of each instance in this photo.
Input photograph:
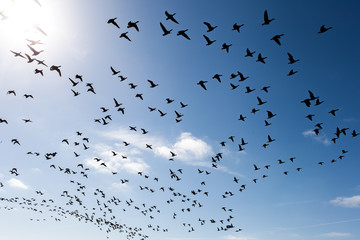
(103, 211)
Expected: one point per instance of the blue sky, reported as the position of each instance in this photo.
(317, 202)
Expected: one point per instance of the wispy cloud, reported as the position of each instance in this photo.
(319, 138)
(233, 237)
(15, 183)
(336, 234)
(348, 202)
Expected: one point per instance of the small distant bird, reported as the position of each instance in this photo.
(171, 17)
(249, 90)
(39, 71)
(139, 95)
(202, 84)
(112, 21)
(254, 110)
(208, 41)
(354, 133)
(217, 77)
(291, 59)
(324, 29)
(310, 116)
(133, 25)
(267, 21)
(17, 54)
(152, 84)
(114, 72)
(276, 38)
(242, 77)
(249, 53)
(165, 31)
(226, 47)
(237, 27)
(242, 118)
(265, 89)
(267, 123)
(270, 139)
(124, 35)
(210, 28)
(183, 105)
(56, 68)
(35, 53)
(261, 58)
(292, 72)
(333, 111)
(183, 33)
(260, 102)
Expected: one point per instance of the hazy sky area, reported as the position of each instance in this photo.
(109, 129)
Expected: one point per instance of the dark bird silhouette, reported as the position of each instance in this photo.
(233, 87)
(162, 114)
(354, 133)
(39, 71)
(242, 77)
(171, 17)
(165, 31)
(41, 62)
(249, 90)
(267, 123)
(318, 102)
(254, 110)
(260, 102)
(28, 96)
(307, 102)
(276, 38)
(265, 89)
(202, 84)
(249, 53)
(183, 105)
(237, 27)
(152, 84)
(292, 72)
(210, 28)
(73, 82)
(312, 96)
(75, 93)
(256, 168)
(270, 139)
(217, 77)
(324, 29)
(133, 25)
(183, 33)
(139, 95)
(261, 58)
(124, 35)
(242, 118)
(178, 115)
(226, 47)
(112, 21)
(35, 53)
(117, 104)
(291, 59)
(11, 92)
(151, 109)
(30, 60)
(333, 111)
(310, 116)
(267, 21)
(56, 68)
(208, 41)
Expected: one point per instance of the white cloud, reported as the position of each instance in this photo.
(124, 188)
(188, 149)
(348, 202)
(336, 234)
(15, 183)
(232, 237)
(319, 138)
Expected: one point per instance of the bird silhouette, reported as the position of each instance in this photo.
(152, 84)
(217, 77)
(261, 58)
(210, 28)
(237, 27)
(333, 111)
(56, 68)
(165, 31)
(208, 41)
(276, 38)
(124, 35)
(291, 59)
(202, 84)
(267, 21)
(183, 33)
(112, 21)
(249, 53)
(171, 17)
(35, 53)
(133, 25)
(324, 29)
(226, 47)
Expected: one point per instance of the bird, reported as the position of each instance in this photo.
(17, 54)
(133, 25)
(249, 53)
(276, 38)
(38, 71)
(270, 139)
(183, 105)
(30, 60)
(217, 77)
(208, 41)
(112, 21)
(183, 33)
(265, 89)
(267, 123)
(73, 82)
(162, 114)
(291, 59)
(242, 118)
(202, 84)
(56, 68)
(75, 93)
(242, 78)
(28, 96)
(260, 101)
(354, 133)
(249, 90)
(312, 96)
(233, 87)
(256, 167)
(11, 92)
(237, 27)
(210, 28)
(139, 95)
(171, 17)
(124, 35)
(324, 29)
(292, 72)
(35, 53)
(165, 31)
(41, 62)
(261, 58)
(333, 111)
(226, 47)
(152, 84)
(267, 21)
(310, 116)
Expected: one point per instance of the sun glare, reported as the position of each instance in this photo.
(24, 19)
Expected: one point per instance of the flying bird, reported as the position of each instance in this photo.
(276, 38)
(124, 35)
(324, 29)
(237, 27)
(171, 17)
(202, 84)
(56, 68)
(249, 53)
(267, 21)
(210, 28)
(112, 21)
(165, 31)
(226, 47)
(291, 59)
(35, 52)
(183, 33)
(133, 25)
(208, 41)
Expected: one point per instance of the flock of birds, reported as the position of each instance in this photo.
(102, 213)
